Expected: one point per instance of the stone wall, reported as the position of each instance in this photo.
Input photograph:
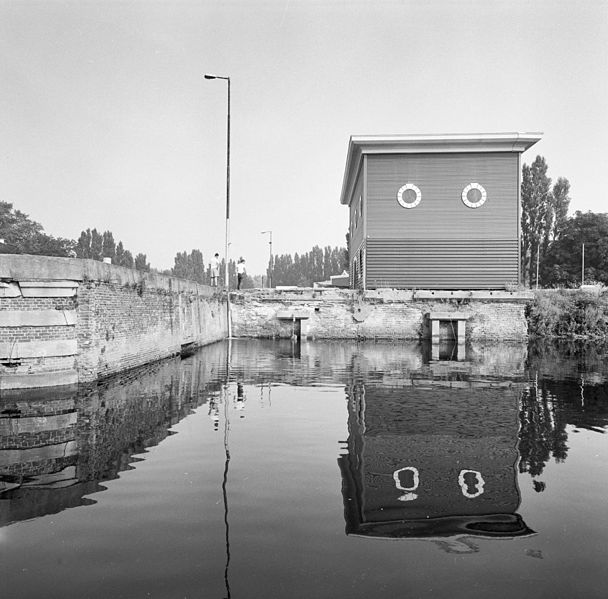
(378, 314)
(65, 321)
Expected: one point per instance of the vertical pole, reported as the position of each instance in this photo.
(270, 263)
(583, 266)
(226, 280)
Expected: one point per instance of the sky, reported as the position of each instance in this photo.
(107, 122)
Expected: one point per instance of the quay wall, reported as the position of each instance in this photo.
(377, 314)
(65, 321)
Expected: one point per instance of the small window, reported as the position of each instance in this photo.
(409, 196)
(474, 195)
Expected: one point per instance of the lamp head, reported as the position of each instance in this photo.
(209, 76)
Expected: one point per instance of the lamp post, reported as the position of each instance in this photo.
(269, 259)
(226, 281)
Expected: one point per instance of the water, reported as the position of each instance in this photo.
(266, 469)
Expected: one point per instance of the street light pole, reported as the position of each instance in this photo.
(226, 280)
(269, 259)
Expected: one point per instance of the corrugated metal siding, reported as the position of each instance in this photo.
(356, 227)
(441, 263)
(441, 178)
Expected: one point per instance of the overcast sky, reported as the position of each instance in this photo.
(106, 120)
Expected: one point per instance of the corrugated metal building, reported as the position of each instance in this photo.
(434, 211)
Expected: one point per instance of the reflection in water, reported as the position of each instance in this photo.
(225, 480)
(567, 386)
(432, 461)
(428, 438)
(58, 446)
(435, 447)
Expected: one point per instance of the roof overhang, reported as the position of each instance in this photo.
(428, 144)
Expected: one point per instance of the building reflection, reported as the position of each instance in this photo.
(432, 461)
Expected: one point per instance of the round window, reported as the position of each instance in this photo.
(409, 196)
(474, 195)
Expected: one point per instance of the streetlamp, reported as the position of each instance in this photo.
(226, 282)
(269, 260)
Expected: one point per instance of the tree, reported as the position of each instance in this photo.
(305, 269)
(198, 266)
(22, 235)
(83, 246)
(127, 259)
(141, 263)
(96, 245)
(544, 215)
(563, 263)
(536, 216)
(119, 254)
(561, 203)
(190, 266)
(108, 246)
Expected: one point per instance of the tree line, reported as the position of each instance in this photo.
(21, 235)
(305, 269)
(551, 242)
(96, 246)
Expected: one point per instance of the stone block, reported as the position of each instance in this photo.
(37, 349)
(48, 288)
(37, 318)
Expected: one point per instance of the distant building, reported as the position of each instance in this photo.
(341, 280)
(434, 211)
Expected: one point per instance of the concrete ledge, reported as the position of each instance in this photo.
(26, 267)
(64, 478)
(484, 295)
(42, 318)
(37, 454)
(292, 315)
(448, 316)
(37, 424)
(48, 288)
(9, 290)
(40, 379)
(38, 349)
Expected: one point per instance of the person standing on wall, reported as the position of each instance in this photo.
(215, 270)
(240, 272)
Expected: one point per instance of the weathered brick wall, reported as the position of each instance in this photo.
(64, 321)
(124, 325)
(379, 314)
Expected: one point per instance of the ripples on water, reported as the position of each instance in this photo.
(267, 469)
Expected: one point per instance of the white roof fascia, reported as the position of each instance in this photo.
(428, 143)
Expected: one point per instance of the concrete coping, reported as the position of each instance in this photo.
(448, 316)
(292, 315)
(54, 271)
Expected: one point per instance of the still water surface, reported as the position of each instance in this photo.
(266, 469)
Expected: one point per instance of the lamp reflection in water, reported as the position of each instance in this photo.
(225, 390)
(437, 462)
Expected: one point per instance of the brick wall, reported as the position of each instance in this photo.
(65, 321)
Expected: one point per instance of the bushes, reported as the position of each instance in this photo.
(565, 313)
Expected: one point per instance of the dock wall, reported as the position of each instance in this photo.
(65, 321)
(377, 314)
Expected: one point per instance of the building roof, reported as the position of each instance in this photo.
(426, 144)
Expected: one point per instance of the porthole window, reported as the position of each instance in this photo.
(409, 196)
(474, 195)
